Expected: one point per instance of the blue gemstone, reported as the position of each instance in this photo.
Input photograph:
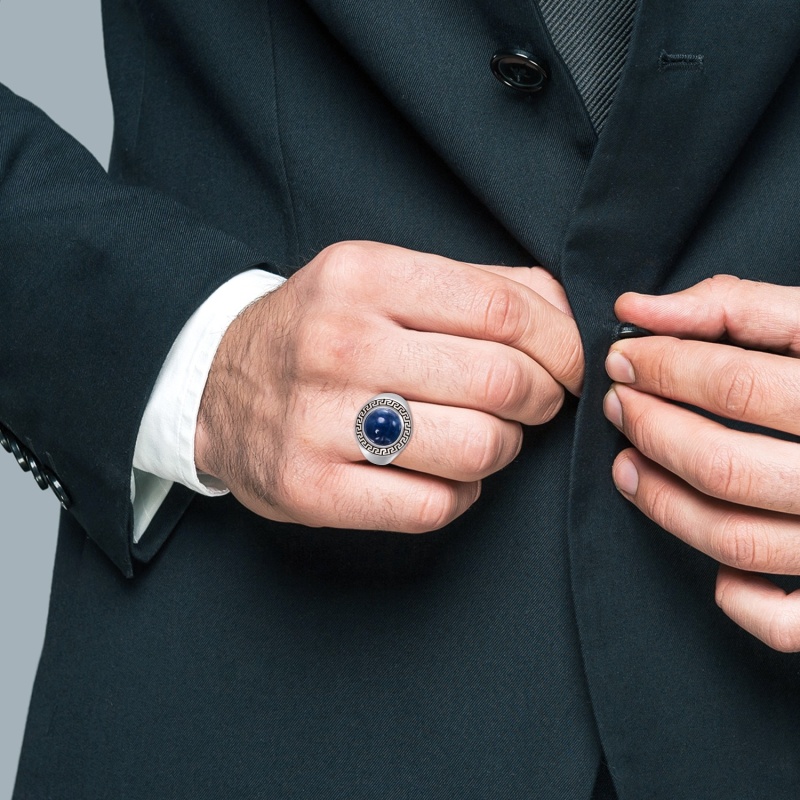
(383, 426)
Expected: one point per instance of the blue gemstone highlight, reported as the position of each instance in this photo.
(383, 426)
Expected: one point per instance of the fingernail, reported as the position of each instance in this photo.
(619, 369)
(626, 477)
(612, 408)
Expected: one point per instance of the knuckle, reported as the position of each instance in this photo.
(504, 314)
(572, 359)
(501, 387)
(342, 262)
(314, 486)
(484, 451)
(643, 429)
(741, 543)
(721, 472)
(723, 290)
(436, 506)
(738, 388)
(329, 345)
(667, 365)
(340, 255)
(783, 631)
(658, 503)
(549, 404)
(721, 283)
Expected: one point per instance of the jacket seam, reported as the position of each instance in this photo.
(290, 204)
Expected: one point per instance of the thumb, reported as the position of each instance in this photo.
(748, 313)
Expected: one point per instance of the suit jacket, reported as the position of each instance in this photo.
(552, 626)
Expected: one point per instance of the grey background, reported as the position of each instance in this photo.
(51, 52)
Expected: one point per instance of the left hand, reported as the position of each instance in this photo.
(733, 495)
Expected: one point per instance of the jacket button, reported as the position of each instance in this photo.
(520, 70)
(627, 330)
(58, 490)
(29, 463)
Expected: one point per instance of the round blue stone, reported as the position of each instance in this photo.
(383, 426)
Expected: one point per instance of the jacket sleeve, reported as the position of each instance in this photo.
(96, 280)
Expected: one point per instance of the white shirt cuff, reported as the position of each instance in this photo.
(164, 452)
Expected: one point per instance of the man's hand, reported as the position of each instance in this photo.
(733, 495)
(477, 351)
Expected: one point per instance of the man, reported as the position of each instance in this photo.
(548, 640)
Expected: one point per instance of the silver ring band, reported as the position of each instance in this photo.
(383, 428)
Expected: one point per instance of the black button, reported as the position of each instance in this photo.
(58, 490)
(20, 454)
(627, 330)
(29, 463)
(520, 70)
(38, 474)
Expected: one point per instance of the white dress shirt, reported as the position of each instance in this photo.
(164, 452)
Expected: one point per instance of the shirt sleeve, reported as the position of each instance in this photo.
(164, 452)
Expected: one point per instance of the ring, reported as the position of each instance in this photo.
(383, 428)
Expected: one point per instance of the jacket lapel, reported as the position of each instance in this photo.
(698, 77)
(522, 155)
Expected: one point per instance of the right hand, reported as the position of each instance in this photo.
(477, 351)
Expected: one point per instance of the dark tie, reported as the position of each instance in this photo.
(592, 37)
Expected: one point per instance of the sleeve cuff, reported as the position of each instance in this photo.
(164, 451)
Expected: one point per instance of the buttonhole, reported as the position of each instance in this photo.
(680, 61)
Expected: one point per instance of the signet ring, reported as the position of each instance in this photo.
(383, 428)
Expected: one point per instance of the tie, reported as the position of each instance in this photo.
(592, 37)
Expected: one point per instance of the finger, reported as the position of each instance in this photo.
(745, 385)
(537, 279)
(368, 497)
(451, 371)
(744, 538)
(745, 468)
(749, 313)
(438, 295)
(761, 608)
(455, 443)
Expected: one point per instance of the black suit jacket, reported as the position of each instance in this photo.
(502, 656)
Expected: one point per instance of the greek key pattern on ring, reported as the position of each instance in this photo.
(383, 402)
